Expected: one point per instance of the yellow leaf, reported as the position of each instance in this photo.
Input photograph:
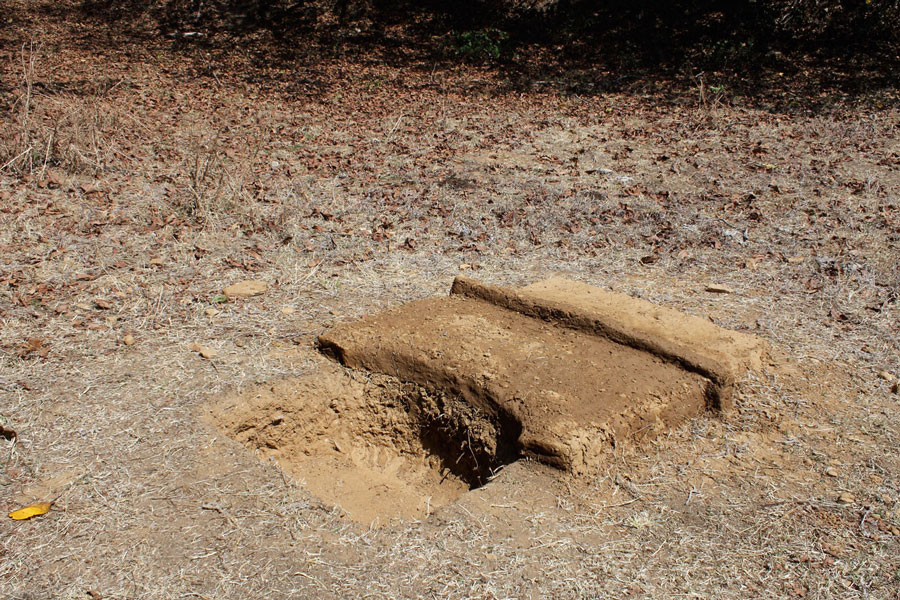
(32, 510)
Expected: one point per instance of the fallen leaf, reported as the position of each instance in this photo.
(7, 433)
(649, 259)
(102, 304)
(846, 498)
(211, 312)
(287, 310)
(32, 510)
(719, 289)
(156, 261)
(208, 352)
(34, 345)
(246, 289)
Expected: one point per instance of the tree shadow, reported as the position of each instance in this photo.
(683, 52)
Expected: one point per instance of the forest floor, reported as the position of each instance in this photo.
(141, 175)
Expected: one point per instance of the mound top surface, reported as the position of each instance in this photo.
(570, 368)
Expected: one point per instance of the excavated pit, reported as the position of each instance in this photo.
(378, 448)
(432, 398)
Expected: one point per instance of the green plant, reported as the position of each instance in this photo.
(481, 44)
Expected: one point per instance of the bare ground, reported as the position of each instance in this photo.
(138, 180)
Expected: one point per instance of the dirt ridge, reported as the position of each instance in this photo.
(718, 362)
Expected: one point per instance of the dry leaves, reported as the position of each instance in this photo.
(204, 351)
(246, 289)
(34, 345)
(719, 289)
(8, 434)
(32, 510)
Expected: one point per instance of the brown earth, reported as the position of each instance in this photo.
(465, 386)
(571, 394)
(363, 443)
(142, 175)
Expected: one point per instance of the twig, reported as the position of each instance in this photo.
(17, 157)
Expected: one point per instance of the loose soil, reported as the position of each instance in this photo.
(573, 394)
(371, 445)
(462, 387)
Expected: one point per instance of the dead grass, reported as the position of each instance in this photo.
(798, 215)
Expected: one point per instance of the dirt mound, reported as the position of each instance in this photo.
(441, 393)
(577, 368)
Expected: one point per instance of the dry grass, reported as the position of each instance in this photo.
(222, 181)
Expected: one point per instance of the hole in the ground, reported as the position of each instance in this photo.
(378, 448)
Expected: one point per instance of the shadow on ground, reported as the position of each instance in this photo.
(684, 52)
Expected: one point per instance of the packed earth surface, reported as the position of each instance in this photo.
(183, 221)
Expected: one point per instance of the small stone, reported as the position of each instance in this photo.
(129, 340)
(831, 472)
(156, 261)
(886, 498)
(211, 312)
(886, 375)
(195, 347)
(246, 289)
(287, 310)
(82, 306)
(465, 267)
(207, 352)
(846, 498)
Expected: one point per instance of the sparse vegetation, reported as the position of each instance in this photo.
(481, 45)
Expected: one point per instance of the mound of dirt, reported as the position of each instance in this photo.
(441, 393)
(577, 369)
